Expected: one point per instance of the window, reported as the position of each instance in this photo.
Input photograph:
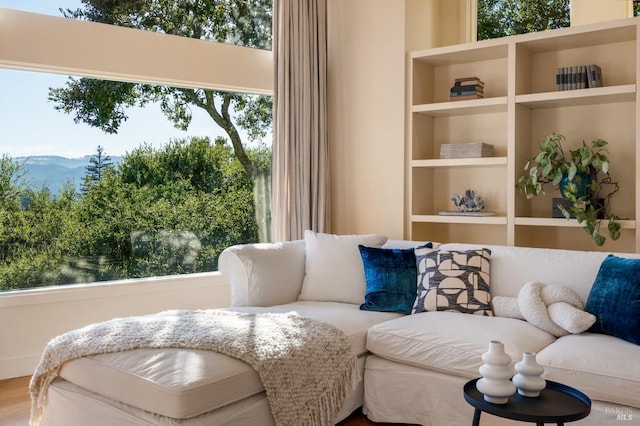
(147, 198)
(499, 18)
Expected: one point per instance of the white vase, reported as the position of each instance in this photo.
(529, 379)
(496, 373)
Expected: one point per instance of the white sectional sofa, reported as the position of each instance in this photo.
(417, 364)
(413, 367)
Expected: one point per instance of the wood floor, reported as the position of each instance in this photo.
(14, 402)
(15, 405)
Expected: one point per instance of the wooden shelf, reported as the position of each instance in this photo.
(485, 50)
(599, 34)
(436, 218)
(566, 223)
(461, 162)
(470, 106)
(579, 97)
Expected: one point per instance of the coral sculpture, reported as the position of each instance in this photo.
(470, 202)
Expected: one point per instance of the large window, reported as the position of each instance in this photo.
(104, 179)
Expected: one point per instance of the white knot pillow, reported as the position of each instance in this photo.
(553, 308)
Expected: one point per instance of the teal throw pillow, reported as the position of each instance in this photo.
(391, 277)
(615, 299)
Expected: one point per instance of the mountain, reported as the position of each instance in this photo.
(54, 171)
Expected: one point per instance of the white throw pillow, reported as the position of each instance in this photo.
(333, 267)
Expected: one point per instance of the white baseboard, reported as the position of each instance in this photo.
(18, 367)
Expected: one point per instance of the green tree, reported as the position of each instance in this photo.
(166, 211)
(499, 18)
(12, 192)
(94, 171)
(32, 224)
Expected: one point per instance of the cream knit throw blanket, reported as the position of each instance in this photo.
(306, 366)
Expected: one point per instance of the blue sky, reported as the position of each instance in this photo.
(30, 126)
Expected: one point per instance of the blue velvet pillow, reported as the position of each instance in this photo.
(391, 279)
(615, 299)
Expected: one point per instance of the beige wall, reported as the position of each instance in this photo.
(368, 41)
(366, 115)
(590, 11)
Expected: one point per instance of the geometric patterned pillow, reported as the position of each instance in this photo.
(453, 281)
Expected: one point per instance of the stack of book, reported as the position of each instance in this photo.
(466, 88)
(578, 77)
(466, 150)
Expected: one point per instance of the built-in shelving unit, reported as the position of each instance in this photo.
(521, 105)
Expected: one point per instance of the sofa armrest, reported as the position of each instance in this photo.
(264, 274)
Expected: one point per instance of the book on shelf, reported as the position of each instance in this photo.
(578, 77)
(468, 92)
(460, 213)
(466, 97)
(465, 79)
(594, 75)
(560, 78)
(466, 88)
(478, 83)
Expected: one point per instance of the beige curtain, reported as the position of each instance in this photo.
(300, 170)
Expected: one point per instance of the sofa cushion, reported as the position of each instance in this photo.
(451, 342)
(390, 276)
(453, 281)
(615, 299)
(333, 267)
(255, 272)
(604, 367)
(183, 383)
(178, 383)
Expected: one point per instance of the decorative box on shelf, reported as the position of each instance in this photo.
(466, 150)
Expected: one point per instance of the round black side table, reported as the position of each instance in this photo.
(557, 403)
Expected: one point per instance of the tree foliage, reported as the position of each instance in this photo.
(162, 211)
(98, 163)
(499, 18)
(103, 103)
